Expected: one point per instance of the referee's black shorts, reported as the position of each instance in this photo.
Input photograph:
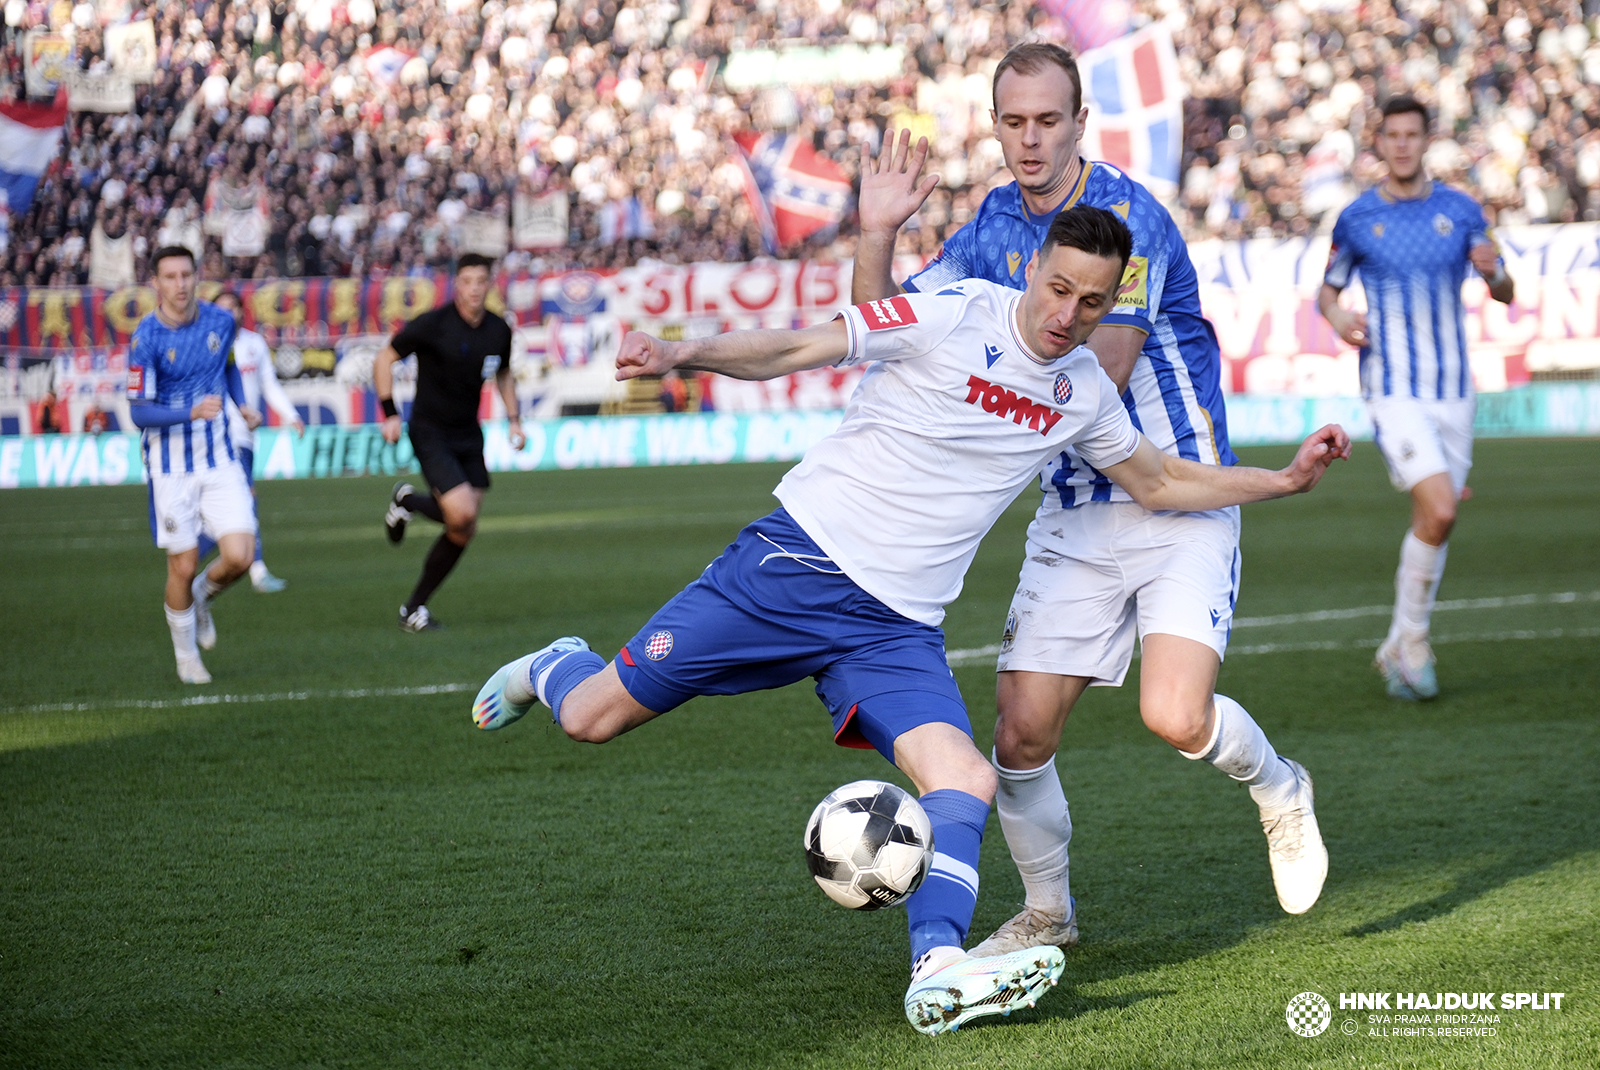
(449, 457)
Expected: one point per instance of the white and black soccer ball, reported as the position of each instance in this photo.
(869, 844)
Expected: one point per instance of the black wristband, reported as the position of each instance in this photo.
(387, 405)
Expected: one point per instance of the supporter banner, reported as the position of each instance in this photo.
(1261, 297)
(540, 222)
(577, 442)
(99, 92)
(132, 50)
(706, 438)
(46, 62)
(801, 65)
(1259, 294)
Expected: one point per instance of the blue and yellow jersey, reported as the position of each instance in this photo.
(176, 367)
(1412, 259)
(1175, 392)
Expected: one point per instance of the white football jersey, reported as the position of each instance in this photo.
(952, 420)
(254, 361)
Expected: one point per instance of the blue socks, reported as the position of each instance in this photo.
(571, 668)
(940, 912)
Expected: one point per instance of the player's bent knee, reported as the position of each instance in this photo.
(1181, 725)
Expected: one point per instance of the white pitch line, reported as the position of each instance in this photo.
(955, 658)
(971, 656)
(1442, 607)
(221, 700)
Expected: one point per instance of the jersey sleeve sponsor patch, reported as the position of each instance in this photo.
(886, 315)
(136, 381)
(1135, 289)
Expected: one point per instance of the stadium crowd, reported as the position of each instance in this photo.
(370, 132)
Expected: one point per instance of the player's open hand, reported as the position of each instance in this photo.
(893, 186)
(1320, 449)
(391, 429)
(206, 407)
(643, 354)
(252, 418)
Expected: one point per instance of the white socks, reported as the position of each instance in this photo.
(181, 623)
(1416, 583)
(1239, 748)
(1033, 815)
(204, 588)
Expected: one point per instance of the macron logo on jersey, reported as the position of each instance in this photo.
(1003, 403)
(882, 315)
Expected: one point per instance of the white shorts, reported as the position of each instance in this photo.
(1095, 572)
(216, 500)
(1421, 437)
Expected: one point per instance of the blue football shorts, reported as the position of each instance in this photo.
(773, 609)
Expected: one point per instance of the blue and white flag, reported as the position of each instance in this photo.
(30, 134)
(1135, 98)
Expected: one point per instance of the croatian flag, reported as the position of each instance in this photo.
(30, 134)
(1093, 22)
(1135, 99)
(793, 191)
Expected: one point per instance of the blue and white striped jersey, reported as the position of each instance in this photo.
(1175, 392)
(176, 367)
(1412, 259)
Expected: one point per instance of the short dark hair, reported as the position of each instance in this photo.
(466, 260)
(1405, 105)
(228, 293)
(1092, 230)
(1032, 58)
(167, 251)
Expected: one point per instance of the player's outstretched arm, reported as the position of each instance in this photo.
(740, 354)
(1158, 481)
(893, 187)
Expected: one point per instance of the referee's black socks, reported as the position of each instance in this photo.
(442, 557)
(426, 504)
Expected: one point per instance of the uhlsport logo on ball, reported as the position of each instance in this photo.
(1308, 1014)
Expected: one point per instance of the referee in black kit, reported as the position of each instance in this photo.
(457, 346)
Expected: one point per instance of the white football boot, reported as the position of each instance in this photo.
(192, 670)
(947, 991)
(514, 687)
(1032, 928)
(1407, 669)
(1294, 846)
(205, 629)
(397, 516)
(418, 620)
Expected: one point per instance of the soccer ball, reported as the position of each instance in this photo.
(869, 845)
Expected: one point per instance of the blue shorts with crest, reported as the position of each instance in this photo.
(773, 609)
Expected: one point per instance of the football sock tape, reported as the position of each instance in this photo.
(571, 670)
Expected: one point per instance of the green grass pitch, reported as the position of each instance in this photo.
(332, 878)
